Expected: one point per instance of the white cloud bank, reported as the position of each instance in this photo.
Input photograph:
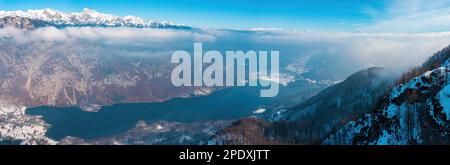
(397, 50)
(114, 35)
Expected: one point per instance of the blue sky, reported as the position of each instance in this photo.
(319, 15)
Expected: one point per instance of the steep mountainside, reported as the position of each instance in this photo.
(415, 111)
(359, 89)
(319, 116)
(82, 74)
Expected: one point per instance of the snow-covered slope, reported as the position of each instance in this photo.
(416, 112)
(88, 17)
(16, 125)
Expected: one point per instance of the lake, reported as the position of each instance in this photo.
(233, 103)
(223, 104)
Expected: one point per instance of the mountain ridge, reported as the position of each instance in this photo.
(316, 117)
(88, 17)
(416, 111)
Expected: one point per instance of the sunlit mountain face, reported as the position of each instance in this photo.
(88, 17)
(81, 75)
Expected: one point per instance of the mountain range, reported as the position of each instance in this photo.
(31, 19)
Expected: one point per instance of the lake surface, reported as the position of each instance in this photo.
(224, 104)
(110, 120)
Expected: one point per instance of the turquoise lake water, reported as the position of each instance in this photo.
(222, 105)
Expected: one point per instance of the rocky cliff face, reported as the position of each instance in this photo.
(159, 133)
(81, 74)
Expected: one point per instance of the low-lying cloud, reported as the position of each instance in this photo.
(358, 50)
(113, 35)
(396, 50)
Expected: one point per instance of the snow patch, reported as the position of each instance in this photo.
(259, 111)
